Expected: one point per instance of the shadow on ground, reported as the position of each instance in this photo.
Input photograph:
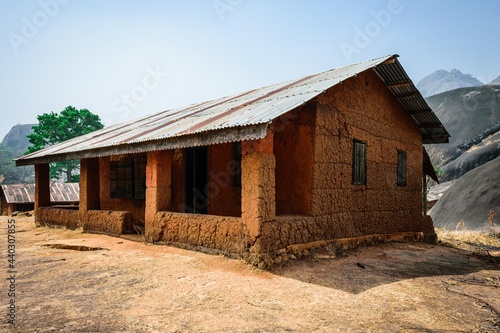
(385, 264)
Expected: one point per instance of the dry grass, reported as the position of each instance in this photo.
(489, 237)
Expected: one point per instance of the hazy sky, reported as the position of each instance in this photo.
(123, 59)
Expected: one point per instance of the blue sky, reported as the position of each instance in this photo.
(124, 59)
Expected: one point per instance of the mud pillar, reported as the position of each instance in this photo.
(158, 187)
(42, 186)
(89, 187)
(258, 197)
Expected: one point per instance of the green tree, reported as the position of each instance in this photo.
(9, 174)
(54, 128)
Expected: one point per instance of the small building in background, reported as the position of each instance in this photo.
(21, 197)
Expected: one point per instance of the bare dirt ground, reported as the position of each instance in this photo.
(129, 286)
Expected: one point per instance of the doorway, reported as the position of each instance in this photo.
(196, 175)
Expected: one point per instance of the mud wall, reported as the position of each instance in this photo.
(293, 150)
(136, 207)
(258, 189)
(363, 109)
(108, 222)
(68, 218)
(360, 108)
(207, 231)
(178, 192)
(9, 208)
(224, 193)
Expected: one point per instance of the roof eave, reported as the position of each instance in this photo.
(431, 139)
(226, 135)
(397, 81)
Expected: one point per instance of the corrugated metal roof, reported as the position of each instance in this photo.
(25, 193)
(243, 116)
(399, 83)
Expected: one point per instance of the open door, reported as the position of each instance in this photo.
(196, 175)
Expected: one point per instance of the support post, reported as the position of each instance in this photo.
(158, 187)
(42, 186)
(89, 187)
(424, 194)
(258, 193)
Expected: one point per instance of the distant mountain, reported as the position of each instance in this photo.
(472, 117)
(13, 145)
(470, 199)
(442, 80)
(16, 140)
(495, 81)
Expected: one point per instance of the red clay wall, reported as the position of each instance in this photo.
(7, 208)
(360, 108)
(363, 109)
(224, 195)
(178, 193)
(215, 232)
(109, 222)
(68, 218)
(293, 150)
(136, 207)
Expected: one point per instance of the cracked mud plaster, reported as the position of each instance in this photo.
(217, 232)
(258, 191)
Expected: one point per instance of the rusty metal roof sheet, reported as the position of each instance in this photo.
(25, 193)
(238, 117)
(400, 85)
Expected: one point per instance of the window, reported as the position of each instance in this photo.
(128, 178)
(401, 168)
(359, 163)
(140, 177)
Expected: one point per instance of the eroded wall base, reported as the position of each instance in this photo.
(222, 233)
(286, 237)
(102, 221)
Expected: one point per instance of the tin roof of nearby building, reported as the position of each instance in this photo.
(25, 193)
(238, 117)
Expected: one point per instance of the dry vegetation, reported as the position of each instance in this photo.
(485, 241)
(68, 281)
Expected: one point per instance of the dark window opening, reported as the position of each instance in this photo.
(196, 178)
(237, 168)
(401, 168)
(359, 163)
(128, 178)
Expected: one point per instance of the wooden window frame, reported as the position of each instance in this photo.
(402, 174)
(359, 165)
(127, 178)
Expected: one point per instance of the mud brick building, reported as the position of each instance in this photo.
(21, 197)
(331, 158)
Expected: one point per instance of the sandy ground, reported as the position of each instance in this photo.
(129, 286)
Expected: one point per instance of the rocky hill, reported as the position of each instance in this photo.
(472, 117)
(442, 80)
(13, 145)
(16, 140)
(471, 199)
(495, 81)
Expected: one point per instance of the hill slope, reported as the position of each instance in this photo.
(13, 145)
(470, 199)
(495, 81)
(16, 140)
(472, 117)
(442, 80)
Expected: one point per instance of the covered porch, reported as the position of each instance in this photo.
(213, 196)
